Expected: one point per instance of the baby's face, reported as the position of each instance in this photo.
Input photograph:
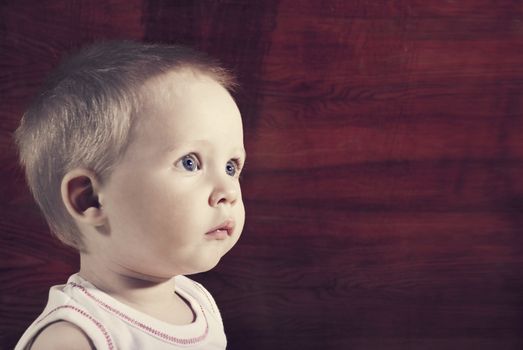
(174, 202)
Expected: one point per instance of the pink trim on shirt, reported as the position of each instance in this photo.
(204, 292)
(89, 317)
(144, 327)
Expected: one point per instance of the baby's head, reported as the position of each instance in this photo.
(133, 151)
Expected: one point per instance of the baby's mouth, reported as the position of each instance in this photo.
(221, 231)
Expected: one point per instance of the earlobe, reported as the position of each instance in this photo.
(81, 198)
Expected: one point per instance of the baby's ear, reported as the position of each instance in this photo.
(81, 198)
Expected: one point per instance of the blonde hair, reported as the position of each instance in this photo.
(85, 113)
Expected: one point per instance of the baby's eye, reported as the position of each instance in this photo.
(232, 167)
(189, 162)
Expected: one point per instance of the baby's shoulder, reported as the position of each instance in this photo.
(62, 335)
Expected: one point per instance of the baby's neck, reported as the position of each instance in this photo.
(148, 294)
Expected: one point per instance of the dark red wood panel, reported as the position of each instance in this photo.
(384, 183)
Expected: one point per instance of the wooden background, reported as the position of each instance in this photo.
(384, 185)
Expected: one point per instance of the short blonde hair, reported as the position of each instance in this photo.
(84, 115)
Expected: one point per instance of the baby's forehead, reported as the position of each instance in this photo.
(181, 92)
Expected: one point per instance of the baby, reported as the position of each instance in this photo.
(133, 152)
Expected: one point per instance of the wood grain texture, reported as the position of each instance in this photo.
(384, 181)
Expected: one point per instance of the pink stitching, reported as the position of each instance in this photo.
(144, 327)
(206, 295)
(89, 317)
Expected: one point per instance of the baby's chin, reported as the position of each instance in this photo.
(204, 264)
(199, 261)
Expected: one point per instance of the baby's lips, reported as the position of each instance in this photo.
(226, 225)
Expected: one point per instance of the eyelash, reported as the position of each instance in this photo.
(237, 163)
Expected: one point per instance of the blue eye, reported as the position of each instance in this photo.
(231, 168)
(190, 162)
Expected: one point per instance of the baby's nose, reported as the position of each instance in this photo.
(226, 193)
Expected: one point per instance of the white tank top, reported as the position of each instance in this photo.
(111, 324)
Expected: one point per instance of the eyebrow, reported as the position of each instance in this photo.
(172, 147)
